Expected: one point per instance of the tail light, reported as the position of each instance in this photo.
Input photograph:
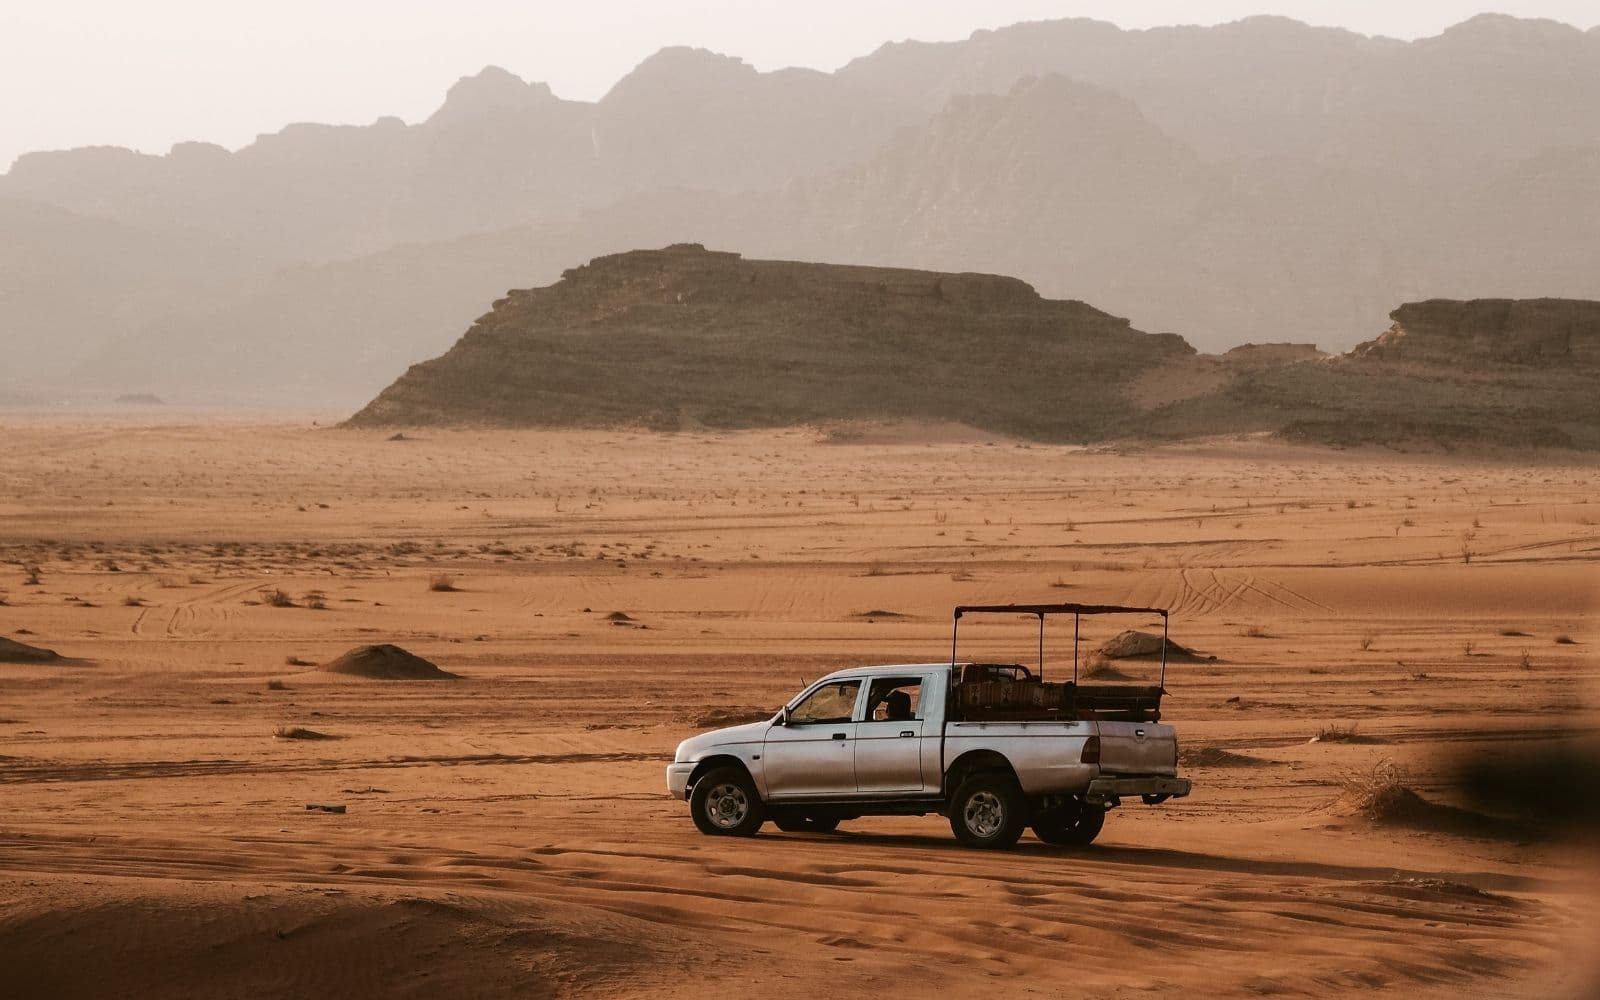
(1091, 750)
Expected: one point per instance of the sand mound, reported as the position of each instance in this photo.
(1217, 757)
(384, 663)
(1132, 645)
(12, 651)
(353, 943)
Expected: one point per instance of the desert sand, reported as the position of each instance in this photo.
(507, 832)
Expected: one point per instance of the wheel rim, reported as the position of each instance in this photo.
(727, 805)
(984, 814)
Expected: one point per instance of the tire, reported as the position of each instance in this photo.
(806, 824)
(1070, 826)
(724, 803)
(988, 811)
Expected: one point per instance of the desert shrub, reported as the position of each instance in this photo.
(1096, 665)
(31, 574)
(290, 661)
(1335, 733)
(1255, 632)
(132, 601)
(875, 569)
(278, 598)
(316, 600)
(1565, 640)
(1378, 791)
(1511, 633)
(277, 685)
(1467, 647)
(1367, 641)
(442, 583)
(1525, 662)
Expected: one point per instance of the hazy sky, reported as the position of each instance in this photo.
(148, 73)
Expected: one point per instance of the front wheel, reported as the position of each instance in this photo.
(1073, 825)
(988, 811)
(725, 803)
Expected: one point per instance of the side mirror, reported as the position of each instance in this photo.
(783, 716)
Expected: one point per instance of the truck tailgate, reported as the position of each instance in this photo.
(1138, 748)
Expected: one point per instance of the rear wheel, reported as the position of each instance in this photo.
(1075, 824)
(725, 803)
(988, 811)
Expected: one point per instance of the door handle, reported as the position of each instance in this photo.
(907, 732)
(838, 736)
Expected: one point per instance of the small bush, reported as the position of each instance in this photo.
(1511, 633)
(290, 661)
(442, 583)
(279, 599)
(1525, 662)
(1378, 791)
(1566, 640)
(31, 576)
(1467, 647)
(1367, 641)
(132, 601)
(316, 600)
(1098, 667)
(1335, 733)
(875, 569)
(1255, 632)
(277, 685)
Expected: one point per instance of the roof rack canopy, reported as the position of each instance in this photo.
(1075, 610)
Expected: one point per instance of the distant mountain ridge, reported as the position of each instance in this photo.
(1257, 181)
(684, 337)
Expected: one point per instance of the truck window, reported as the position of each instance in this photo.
(834, 702)
(895, 699)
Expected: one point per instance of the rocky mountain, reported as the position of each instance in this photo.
(1447, 373)
(685, 337)
(1258, 181)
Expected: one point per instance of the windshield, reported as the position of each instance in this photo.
(834, 702)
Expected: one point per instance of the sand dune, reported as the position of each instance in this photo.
(507, 833)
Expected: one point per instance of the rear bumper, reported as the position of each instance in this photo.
(1111, 789)
(678, 779)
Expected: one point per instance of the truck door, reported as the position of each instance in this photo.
(889, 737)
(814, 755)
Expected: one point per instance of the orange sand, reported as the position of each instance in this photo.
(507, 834)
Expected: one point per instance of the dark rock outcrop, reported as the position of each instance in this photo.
(1541, 332)
(1516, 373)
(685, 336)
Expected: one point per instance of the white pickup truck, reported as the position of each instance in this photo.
(992, 746)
